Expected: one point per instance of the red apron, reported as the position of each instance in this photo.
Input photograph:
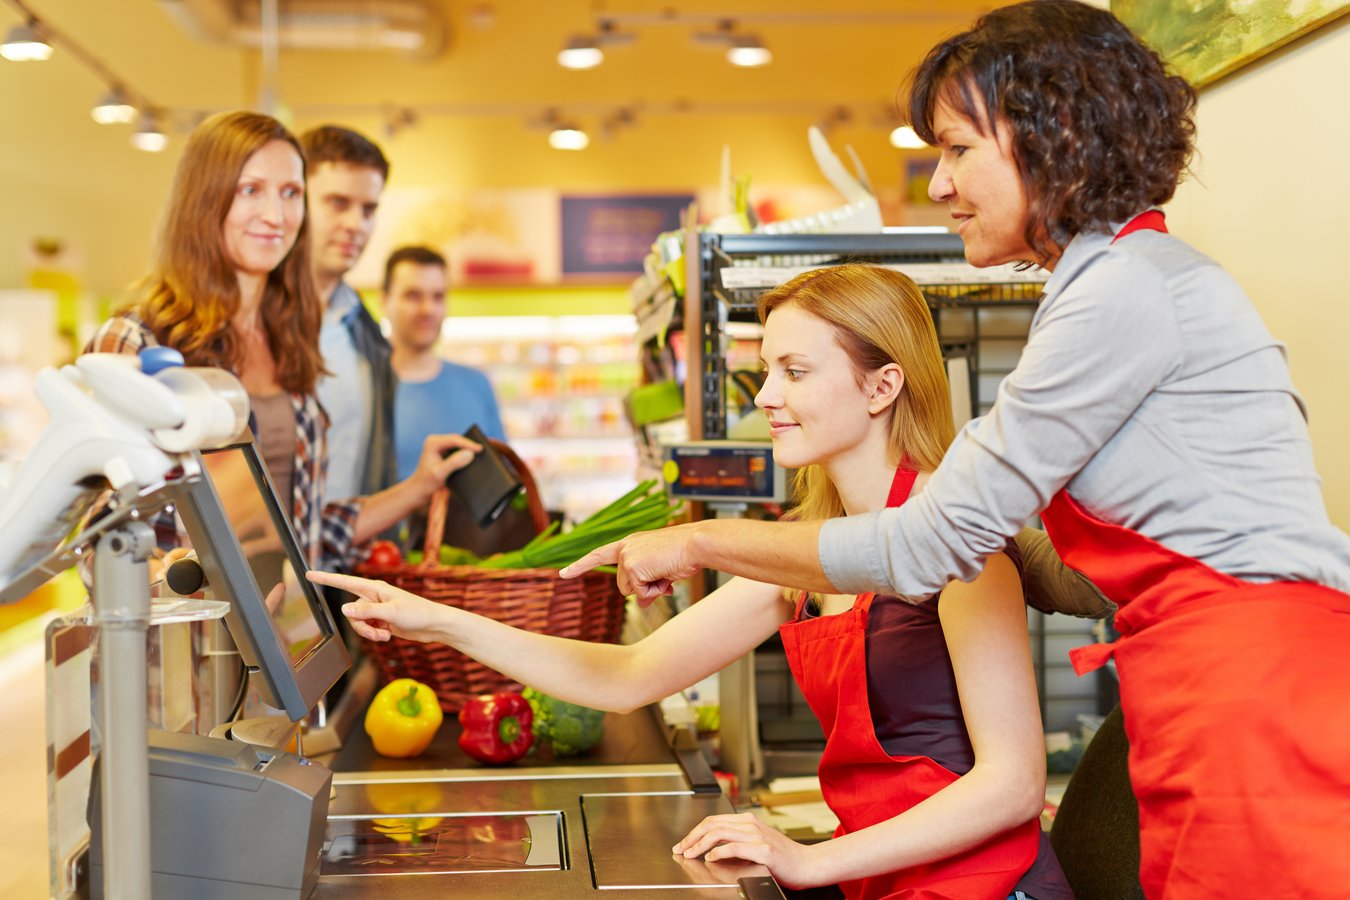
(864, 785)
(1236, 699)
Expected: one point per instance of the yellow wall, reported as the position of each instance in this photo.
(62, 175)
(1271, 202)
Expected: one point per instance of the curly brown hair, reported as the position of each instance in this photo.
(190, 298)
(1100, 129)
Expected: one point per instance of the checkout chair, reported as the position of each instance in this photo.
(1096, 830)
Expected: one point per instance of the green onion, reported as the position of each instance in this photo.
(643, 508)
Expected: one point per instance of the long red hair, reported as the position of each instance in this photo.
(191, 296)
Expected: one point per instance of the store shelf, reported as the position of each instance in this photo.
(981, 315)
(560, 383)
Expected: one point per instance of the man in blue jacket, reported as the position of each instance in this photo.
(347, 173)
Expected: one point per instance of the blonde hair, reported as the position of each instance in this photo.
(879, 317)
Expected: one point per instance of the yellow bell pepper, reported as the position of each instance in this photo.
(403, 718)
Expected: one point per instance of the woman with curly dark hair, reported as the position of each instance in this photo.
(1152, 423)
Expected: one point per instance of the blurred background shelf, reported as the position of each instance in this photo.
(560, 383)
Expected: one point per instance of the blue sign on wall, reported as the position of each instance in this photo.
(611, 235)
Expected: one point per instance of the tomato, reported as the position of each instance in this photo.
(384, 555)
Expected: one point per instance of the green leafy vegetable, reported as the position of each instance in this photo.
(643, 508)
(569, 729)
(458, 556)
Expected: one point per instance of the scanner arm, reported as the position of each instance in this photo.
(112, 424)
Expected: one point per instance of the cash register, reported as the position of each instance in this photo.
(192, 815)
(131, 438)
(230, 818)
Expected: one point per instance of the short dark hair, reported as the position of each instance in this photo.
(418, 256)
(335, 144)
(1100, 129)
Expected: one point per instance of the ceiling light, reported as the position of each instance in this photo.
(905, 138)
(25, 44)
(568, 137)
(114, 109)
(748, 50)
(148, 137)
(581, 53)
(586, 51)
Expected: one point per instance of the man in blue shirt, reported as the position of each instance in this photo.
(433, 396)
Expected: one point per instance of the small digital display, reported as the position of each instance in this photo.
(714, 470)
(744, 473)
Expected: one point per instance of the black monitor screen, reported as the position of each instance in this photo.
(282, 627)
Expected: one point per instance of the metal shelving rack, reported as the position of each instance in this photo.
(977, 316)
(709, 305)
(962, 300)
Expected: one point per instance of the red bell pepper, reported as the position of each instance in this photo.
(497, 728)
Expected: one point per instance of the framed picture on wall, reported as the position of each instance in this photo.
(1205, 40)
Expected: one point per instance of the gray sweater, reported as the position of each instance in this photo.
(1150, 388)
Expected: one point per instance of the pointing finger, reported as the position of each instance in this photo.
(607, 555)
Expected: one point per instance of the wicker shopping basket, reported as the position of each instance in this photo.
(589, 608)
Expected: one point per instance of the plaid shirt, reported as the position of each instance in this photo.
(326, 533)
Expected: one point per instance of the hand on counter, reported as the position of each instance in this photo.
(726, 872)
(383, 610)
(744, 837)
(649, 562)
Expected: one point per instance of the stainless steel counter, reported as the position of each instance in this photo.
(424, 829)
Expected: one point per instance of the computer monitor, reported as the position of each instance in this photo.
(250, 556)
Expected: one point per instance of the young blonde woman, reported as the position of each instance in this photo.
(231, 288)
(934, 760)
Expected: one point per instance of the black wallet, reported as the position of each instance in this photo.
(486, 485)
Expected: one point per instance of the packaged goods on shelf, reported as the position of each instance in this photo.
(560, 383)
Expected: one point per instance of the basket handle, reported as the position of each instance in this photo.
(440, 503)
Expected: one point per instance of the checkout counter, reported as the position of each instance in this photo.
(562, 828)
(201, 812)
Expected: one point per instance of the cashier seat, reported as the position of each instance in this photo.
(1096, 830)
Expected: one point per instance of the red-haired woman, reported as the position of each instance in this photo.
(231, 288)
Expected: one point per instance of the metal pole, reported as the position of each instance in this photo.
(742, 752)
(269, 28)
(122, 600)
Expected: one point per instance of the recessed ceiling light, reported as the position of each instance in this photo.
(25, 44)
(568, 138)
(748, 51)
(149, 137)
(581, 53)
(114, 109)
(905, 139)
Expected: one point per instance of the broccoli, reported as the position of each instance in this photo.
(567, 728)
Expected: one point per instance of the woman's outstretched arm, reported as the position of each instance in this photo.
(699, 641)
